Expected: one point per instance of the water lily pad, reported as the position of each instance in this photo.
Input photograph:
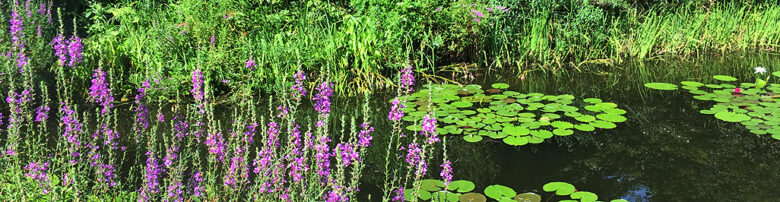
(516, 130)
(619, 200)
(561, 124)
(585, 127)
(542, 133)
(500, 85)
(731, 116)
(724, 78)
(585, 118)
(563, 132)
(516, 140)
(560, 188)
(461, 186)
(431, 185)
(611, 118)
(603, 124)
(414, 127)
(499, 191)
(661, 86)
(528, 197)
(444, 196)
(592, 100)
(472, 138)
(473, 197)
(585, 196)
(462, 104)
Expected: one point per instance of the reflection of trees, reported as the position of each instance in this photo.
(681, 155)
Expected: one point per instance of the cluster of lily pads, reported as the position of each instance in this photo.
(514, 117)
(754, 105)
(461, 190)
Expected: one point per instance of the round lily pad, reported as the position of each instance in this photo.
(561, 124)
(603, 124)
(724, 78)
(462, 104)
(516, 130)
(500, 85)
(473, 197)
(499, 191)
(461, 186)
(584, 196)
(528, 197)
(584, 127)
(563, 132)
(731, 116)
(585, 118)
(560, 188)
(611, 117)
(515, 140)
(661, 86)
(472, 138)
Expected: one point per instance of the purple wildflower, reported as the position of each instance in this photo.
(399, 195)
(74, 50)
(153, 172)
(60, 47)
(407, 79)
(27, 8)
(170, 156)
(414, 159)
(446, 172)
(477, 13)
(437, 9)
(238, 169)
(42, 9)
(476, 20)
(160, 117)
(212, 40)
(142, 112)
(106, 174)
(72, 125)
(100, 93)
(39, 32)
(364, 137)
(250, 64)
(174, 191)
(322, 100)
(216, 145)
(48, 12)
(298, 88)
(347, 153)
(37, 172)
(429, 124)
(42, 113)
(322, 157)
(396, 111)
(17, 25)
(197, 181)
(197, 89)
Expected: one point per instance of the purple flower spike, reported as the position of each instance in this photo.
(74, 50)
(100, 93)
(446, 172)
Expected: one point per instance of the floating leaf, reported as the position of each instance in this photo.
(724, 78)
(499, 191)
(585, 118)
(603, 124)
(592, 100)
(500, 85)
(461, 186)
(584, 196)
(661, 86)
(473, 197)
(528, 197)
(585, 127)
(516, 140)
(563, 132)
(611, 117)
(431, 185)
(560, 188)
(731, 116)
(692, 83)
(462, 104)
(561, 124)
(516, 130)
(472, 138)
(542, 133)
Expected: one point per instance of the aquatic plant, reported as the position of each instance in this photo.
(460, 190)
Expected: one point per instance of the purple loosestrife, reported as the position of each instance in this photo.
(446, 172)
(396, 111)
(141, 111)
(197, 89)
(74, 50)
(399, 195)
(347, 153)
(27, 8)
(42, 113)
(238, 169)
(39, 32)
(21, 61)
(322, 100)
(297, 163)
(364, 137)
(180, 126)
(72, 130)
(60, 49)
(429, 129)
(151, 183)
(17, 25)
(407, 79)
(110, 136)
(250, 64)
(42, 9)
(249, 134)
(216, 145)
(170, 157)
(1, 118)
(212, 40)
(298, 89)
(48, 12)
(322, 158)
(197, 186)
(174, 191)
(106, 174)
(100, 93)
(415, 160)
(160, 117)
(37, 172)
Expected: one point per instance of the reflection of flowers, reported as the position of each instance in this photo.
(760, 70)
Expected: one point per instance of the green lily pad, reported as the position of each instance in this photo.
(431, 185)
(472, 138)
(499, 191)
(584, 127)
(461, 186)
(563, 132)
(561, 124)
(462, 104)
(724, 78)
(731, 116)
(473, 197)
(560, 188)
(611, 118)
(592, 100)
(585, 196)
(661, 86)
(692, 83)
(516, 130)
(585, 118)
(603, 124)
(542, 133)
(528, 197)
(500, 85)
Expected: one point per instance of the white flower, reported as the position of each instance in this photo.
(760, 69)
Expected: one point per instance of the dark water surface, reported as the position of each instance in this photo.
(666, 151)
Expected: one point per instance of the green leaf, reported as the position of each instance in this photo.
(432, 185)
(724, 78)
(516, 140)
(499, 191)
(563, 132)
(461, 186)
(661, 86)
(473, 197)
(731, 116)
(500, 85)
(528, 197)
(516, 130)
(560, 188)
(585, 127)
(472, 138)
(585, 196)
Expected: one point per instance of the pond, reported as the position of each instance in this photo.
(665, 151)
